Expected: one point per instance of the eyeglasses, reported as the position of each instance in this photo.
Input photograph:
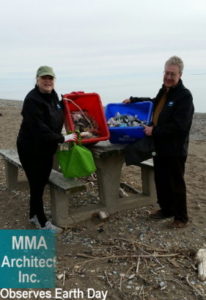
(171, 74)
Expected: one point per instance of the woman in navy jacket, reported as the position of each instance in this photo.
(38, 139)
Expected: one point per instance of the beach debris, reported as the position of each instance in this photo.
(122, 193)
(101, 214)
(125, 120)
(85, 124)
(201, 260)
(60, 276)
(163, 285)
(100, 228)
(129, 188)
(83, 121)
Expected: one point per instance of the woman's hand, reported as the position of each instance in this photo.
(70, 137)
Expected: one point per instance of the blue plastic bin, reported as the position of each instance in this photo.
(125, 135)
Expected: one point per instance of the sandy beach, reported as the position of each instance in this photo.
(124, 234)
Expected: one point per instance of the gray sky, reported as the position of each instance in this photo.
(116, 48)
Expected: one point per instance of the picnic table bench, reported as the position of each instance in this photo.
(60, 187)
(109, 159)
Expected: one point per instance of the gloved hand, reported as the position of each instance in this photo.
(70, 137)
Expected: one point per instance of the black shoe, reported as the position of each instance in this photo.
(178, 224)
(158, 215)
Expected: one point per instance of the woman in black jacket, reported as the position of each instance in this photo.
(171, 123)
(38, 138)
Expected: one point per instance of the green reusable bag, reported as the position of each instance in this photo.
(76, 162)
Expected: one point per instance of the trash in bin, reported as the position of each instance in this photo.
(131, 119)
(84, 112)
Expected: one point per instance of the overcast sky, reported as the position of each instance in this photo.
(116, 48)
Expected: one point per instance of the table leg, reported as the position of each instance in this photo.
(108, 179)
(11, 175)
(59, 206)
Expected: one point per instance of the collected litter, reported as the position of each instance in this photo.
(85, 124)
(84, 114)
(125, 120)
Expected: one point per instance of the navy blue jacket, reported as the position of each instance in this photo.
(171, 134)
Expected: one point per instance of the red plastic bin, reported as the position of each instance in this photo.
(91, 103)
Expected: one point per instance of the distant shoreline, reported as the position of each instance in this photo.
(10, 102)
(2, 99)
(18, 102)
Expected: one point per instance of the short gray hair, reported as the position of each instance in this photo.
(175, 60)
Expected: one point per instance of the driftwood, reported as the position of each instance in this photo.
(201, 260)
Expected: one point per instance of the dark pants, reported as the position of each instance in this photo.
(37, 168)
(170, 186)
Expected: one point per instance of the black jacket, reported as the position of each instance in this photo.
(42, 122)
(171, 134)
